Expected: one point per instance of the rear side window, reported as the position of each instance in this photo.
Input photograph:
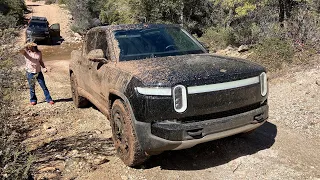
(97, 40)
(101, 42)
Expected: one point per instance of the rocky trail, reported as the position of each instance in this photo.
(71, 143)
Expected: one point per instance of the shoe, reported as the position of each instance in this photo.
(51, 102)
(33, 103)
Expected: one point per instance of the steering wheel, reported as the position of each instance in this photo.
(170, 46)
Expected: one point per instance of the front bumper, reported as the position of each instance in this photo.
(158, 137)
(38, 37)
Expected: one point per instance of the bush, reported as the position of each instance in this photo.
(218, 38)
(7, 36)
(115, 12)
(273, 53)
(11, 13)
(81, 20)
(50, 2)
(7, 21)
(15, 162)
(62, 1)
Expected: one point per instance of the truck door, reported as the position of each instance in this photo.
(85, 64)
(98, 69)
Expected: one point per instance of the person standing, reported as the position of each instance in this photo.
(33, 58)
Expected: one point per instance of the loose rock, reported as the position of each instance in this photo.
(243, 48)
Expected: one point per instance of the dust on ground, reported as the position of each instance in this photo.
(71, 143)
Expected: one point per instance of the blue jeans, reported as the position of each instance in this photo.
(32, 78)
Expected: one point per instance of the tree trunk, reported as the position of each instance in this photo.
(181, 13)
(288, 8)
(282, 11)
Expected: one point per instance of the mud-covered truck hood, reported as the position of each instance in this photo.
(213, 84)
(190, 70)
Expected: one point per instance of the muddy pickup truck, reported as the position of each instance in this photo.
(161, 90)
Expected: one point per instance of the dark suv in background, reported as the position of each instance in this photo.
(38, 29)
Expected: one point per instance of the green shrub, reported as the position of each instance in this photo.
(7, 36)
(11, 13)
(7, 21)
(81, 20)
(115, 12)
(218, 38)
(62, 1)
(273, 53)
(50, 2)
(15, 161)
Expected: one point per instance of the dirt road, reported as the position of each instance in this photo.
(70, 143)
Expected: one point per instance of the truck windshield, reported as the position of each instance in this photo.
(137, 44)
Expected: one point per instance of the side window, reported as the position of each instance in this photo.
(91, 40)
(101, 43)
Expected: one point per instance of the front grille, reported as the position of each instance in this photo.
(232, 112)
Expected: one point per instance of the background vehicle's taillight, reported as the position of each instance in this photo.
(180, 98)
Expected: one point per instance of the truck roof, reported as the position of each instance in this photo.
(38, 18)
(132, 26)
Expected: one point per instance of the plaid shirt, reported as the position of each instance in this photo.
(33, 61)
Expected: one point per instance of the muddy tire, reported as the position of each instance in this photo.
(124, 137)
(78, 101)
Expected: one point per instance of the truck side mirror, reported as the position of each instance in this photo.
(96, 55)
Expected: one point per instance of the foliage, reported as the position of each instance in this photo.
(62, 1)
(50, 1)
(219, 23)
(11, 13)
(218, 38)
(81, 20)
(116, 12)
(15, 162)
(274, 53)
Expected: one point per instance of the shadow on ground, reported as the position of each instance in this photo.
(55, 41)
(217, 152)
(57, 100)
(86, 144)
(34, 5)
(63, 100)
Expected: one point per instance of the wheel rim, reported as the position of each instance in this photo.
(120, 138)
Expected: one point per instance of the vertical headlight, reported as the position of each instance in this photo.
(180, 98)
(264, 84)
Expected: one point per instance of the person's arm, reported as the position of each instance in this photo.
(42, 64)
(26, 54)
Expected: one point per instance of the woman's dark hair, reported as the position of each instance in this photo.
(36, 49)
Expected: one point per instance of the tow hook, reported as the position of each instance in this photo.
(196, 133)
(258, 119)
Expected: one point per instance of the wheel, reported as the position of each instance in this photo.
(49, 41)
(124, 136)
(78, 101)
